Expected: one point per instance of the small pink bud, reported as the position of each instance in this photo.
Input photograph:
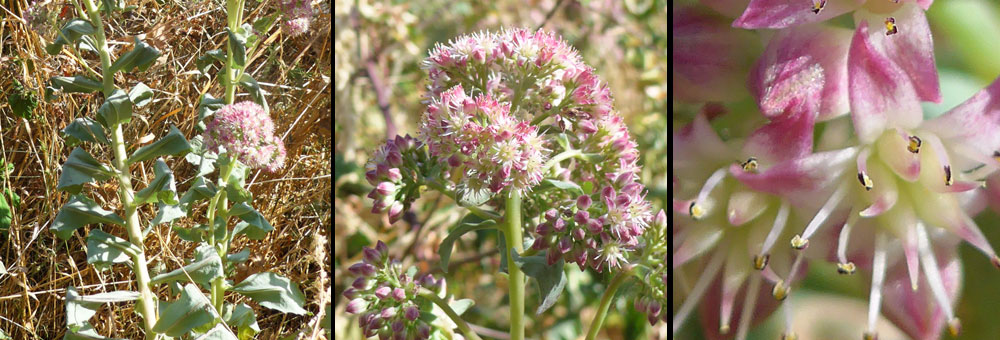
(386, 188)
(559, 225)
(423, 331)
(552, 256)
(394, 175)
(395, 212)
(581, 217)
(399, 294)
(372, 256)
(565, 245)
(578, 234)
(382, 248)
(543, 228)
(551, 214)
(588, 127)
(594, 226)
(540, 244)
(382, 292)
(388, 313)
(397, 326)
(350, 292)
(360, 283)
(583, 202)
(356, 306)
(371, 176)
(412, 313)
(661, 219)
(362, 269)
(455, 161)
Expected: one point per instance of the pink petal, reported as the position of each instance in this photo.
(884, 191)
(881, 93)
(696, 242)
(788, 138)
(696, 146)
(892, 149)
(993, 191)
(803, 70)
(973, 123)
(917, 312)
(710, 58)
(786, 13)
(798, 176)
(744, 206)
(729, 8)
(912, 47)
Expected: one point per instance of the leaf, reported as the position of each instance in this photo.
(237, 194)
(173, 143)
(469, 223)
(116, 110)
(219, 332)
(273, 291)
(140, 95)
(254, 225)
(141, 56)
(161, 189)
(469, 197)
(85, 130)
(204, 63)
(200, 190)
(22, 101)
(201, 271)
(204, 160)
(6, 215)
(78, 212)
(256, 94)
(73, 30)
(242, 318)
(551, 279)
(78, 312)
(81, 168)
(194, 234)
(75, 84)
(549, 183)
(191, 310)
(104, 249)
(239, 257)
(264, 24)
(206, 108)
(238, 46)
(87, 332)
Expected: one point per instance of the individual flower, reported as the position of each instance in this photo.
(911, 174)
(387, 298)
(245, 131)
(297, 16)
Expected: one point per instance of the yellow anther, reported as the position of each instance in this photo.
(947, 175)
(724, 329)
(890, 26)
(799, 243)
(789, 336)
(760, 261)
(996, 156)
(846, 268)
(866, 181)
(871, 336)
(750, 165)
(996, 261)
(696, 210)
(780, 291)
(818, 6)
(954, 327)
(914, 146)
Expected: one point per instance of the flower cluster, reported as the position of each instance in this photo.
(298, 14)
(653, 294)
(480, 137)
(245, 131)
(392, 171)
(386, 297)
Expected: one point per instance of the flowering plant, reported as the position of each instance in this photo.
(837, 141)
(523, 134)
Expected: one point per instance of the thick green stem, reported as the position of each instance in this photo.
(462, 325)
(218, 205)
(602, 310)
(512, 232)
(147, 301)
(234, 15)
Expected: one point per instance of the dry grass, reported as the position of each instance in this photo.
(296, 200)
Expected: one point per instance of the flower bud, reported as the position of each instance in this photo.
(394, 175)
(399, 294)
(386, 188)
(588, 127)
(543, 228)
(551, 214)
(581, 217)
(382, 248)
(565, 244)
(388, 313)
(350, 293)
(661, 219)
(583, 202)
(360, 283)
(559, 225)
(373, 257)
(594, 226)
(411, 313)
(356, 306)
(423, 331)
(362, 269)
(395, 212)
(552, 256)
(371, 176)
(382, 292)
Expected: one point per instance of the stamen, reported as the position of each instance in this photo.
(780, 292)
(942, 155)
(863, 169)
(996, 156)
(760, 261)
(698, 291)
(934, 279)
(699, 207)
(821, 216)
(786, 310)
(818, 6)
(890, 26)
(748, 306)
(750, 165)
(947, 175)
(878, 278)
(844, 266)
(695, 210)
(910, 247)
(779, 225)
(914, 146)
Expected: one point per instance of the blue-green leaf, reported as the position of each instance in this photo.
(254, 225)
(73, 31)
(104, 249)
(201, 271)
(140, 95)
(85, 130)
(161, 189)
(273, 291)
(141, 56)
(191, 310)
(78, 212)
(252, 87)
(173, 143)
(551, 279)
(242, 318)
(81, 168)
(469, 223)
(116, 110)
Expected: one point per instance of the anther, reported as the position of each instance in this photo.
(799, 243)
(696, 210)
(870, 336)
(846, 268)
(750, 165)
(865, 181)
(996, 155)
(947, 175)
(724, 329)
(760, 261)
(954, 327)
(914, 146)
(818, 6)
(996, 261)
(780, 292)
(890, 26)
(789, 336)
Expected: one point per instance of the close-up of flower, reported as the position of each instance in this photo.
(857, 130)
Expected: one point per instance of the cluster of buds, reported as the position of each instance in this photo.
(386, 297)
(485, 146)
(37, 17)
(245, 131)
(653, 295)
(393, 171)
(298, 15)
(595, 235)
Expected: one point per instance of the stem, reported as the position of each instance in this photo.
(516, 278)
(214, 206)
(561, 157)
(474, 210)
(147, 301)
(602, 310)
(234, 15)
(462, 325)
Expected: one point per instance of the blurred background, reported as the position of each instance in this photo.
(829, 306)
(379, 92)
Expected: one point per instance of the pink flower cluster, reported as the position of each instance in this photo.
(387, 172)
(298, 15)
(245, 131)
(479, 137)
(385, 297)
